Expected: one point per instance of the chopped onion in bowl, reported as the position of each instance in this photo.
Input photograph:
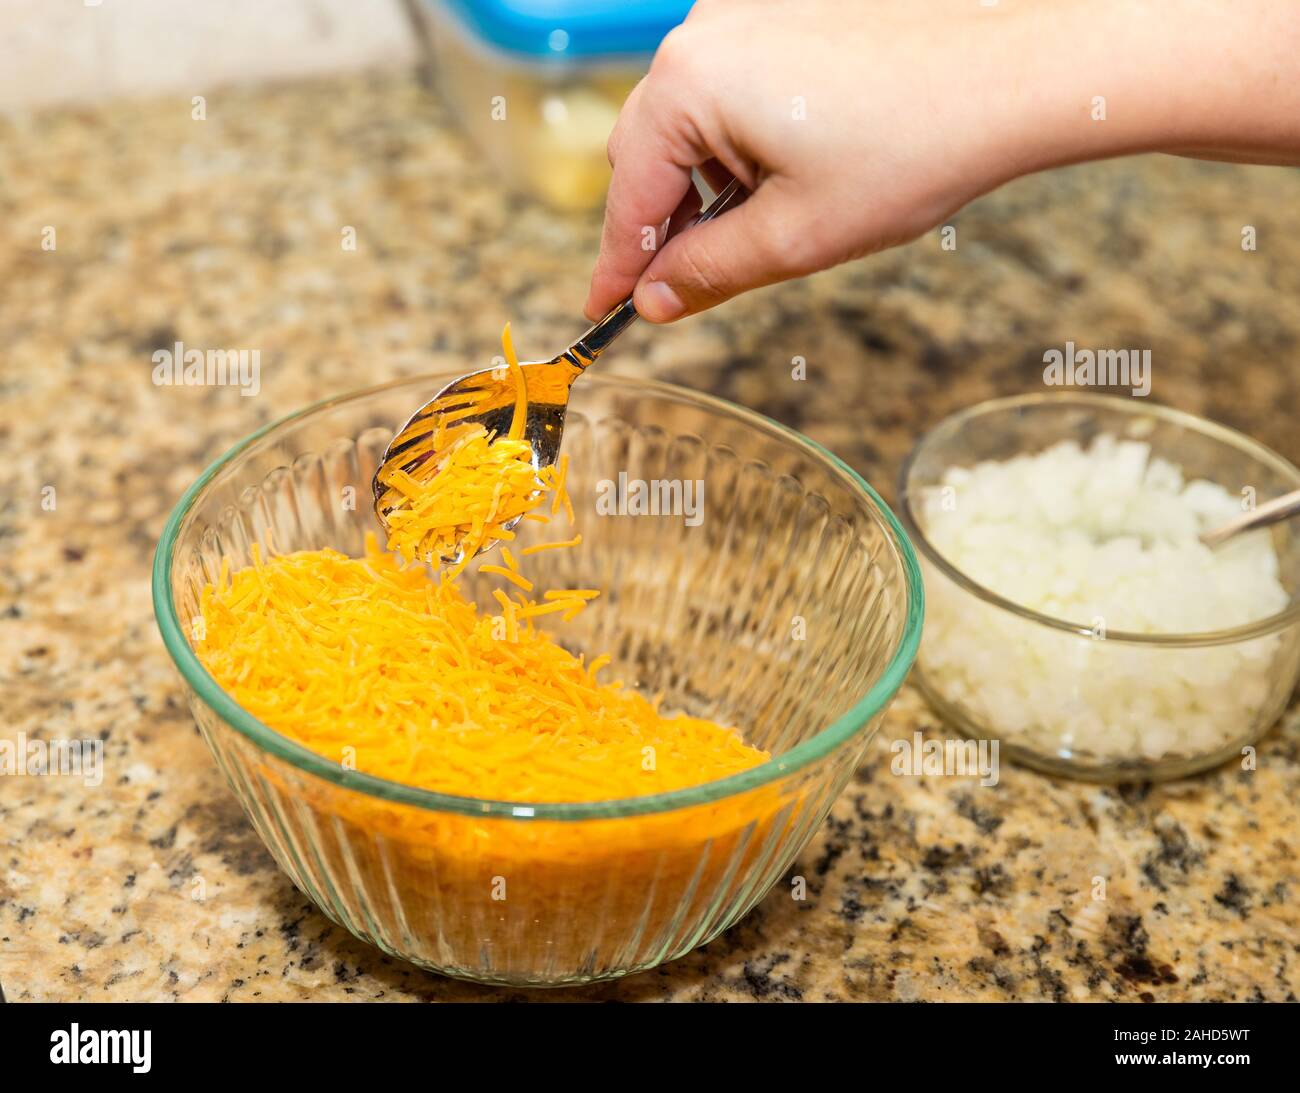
(1106, 538)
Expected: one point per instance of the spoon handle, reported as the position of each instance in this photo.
(1271, 512)
(596, 340)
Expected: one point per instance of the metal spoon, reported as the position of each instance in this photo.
(490, 394)
(1271, 512)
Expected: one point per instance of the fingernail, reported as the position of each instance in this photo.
(659, 303)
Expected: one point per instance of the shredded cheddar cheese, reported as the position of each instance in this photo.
(363, 654)
(467, 485)
(374, 659)
(538, 547)
(481, 484)
(520, 420)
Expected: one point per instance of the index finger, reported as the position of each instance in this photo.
(652, 178)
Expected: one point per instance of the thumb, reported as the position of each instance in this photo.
(756, 243)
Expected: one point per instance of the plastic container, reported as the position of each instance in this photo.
(792, 611)
(538, 84)
(1046, 688)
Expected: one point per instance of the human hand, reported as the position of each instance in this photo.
(860, 126)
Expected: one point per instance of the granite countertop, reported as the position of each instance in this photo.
(226, 232)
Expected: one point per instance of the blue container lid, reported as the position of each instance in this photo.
(559, 29)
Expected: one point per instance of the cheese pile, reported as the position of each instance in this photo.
(379, 667)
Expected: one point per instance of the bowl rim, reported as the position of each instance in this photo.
(1036, 400)
(827, 740)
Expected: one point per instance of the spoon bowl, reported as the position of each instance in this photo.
(485, 398)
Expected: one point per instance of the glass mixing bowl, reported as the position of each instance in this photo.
(1067, 696)
(791, 608)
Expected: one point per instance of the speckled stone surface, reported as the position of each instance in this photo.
(227, 232)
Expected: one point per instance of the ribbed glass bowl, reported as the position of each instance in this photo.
(791, 609)
(1065, 695)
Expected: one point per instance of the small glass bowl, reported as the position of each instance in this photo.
(1044, 687)
(789, 605)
